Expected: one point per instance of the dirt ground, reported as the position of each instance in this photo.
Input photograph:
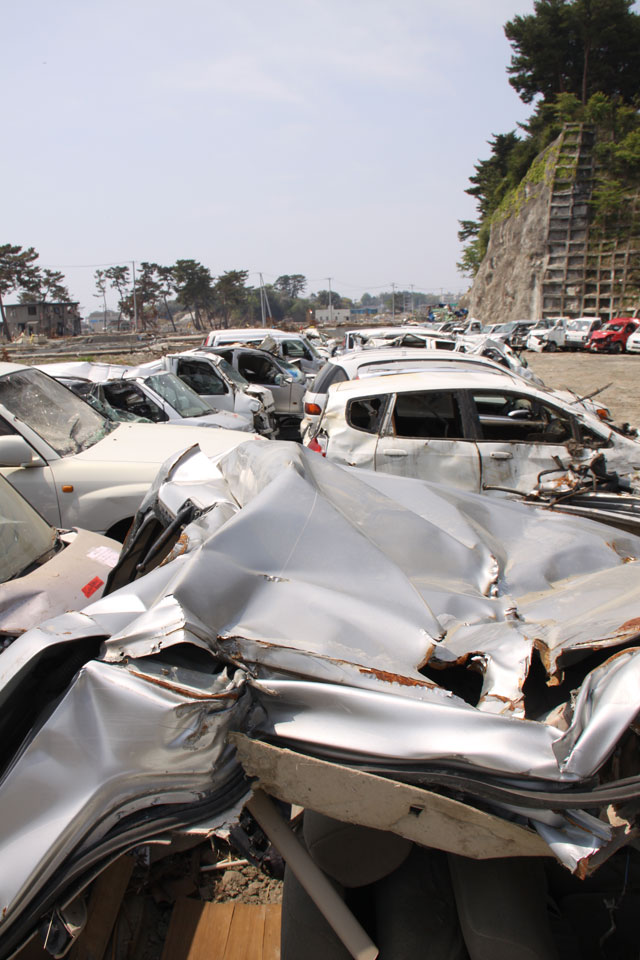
(585, 373)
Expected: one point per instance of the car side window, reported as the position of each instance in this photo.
(257, 369)
(6, 429)
(589, 438)
(295, 349)
(434, 415)
(131, 399)
(518, 418)
(201, 378)
(366, 413)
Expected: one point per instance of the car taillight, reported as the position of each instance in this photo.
(603, 413)
(317, 447)
(313, 409)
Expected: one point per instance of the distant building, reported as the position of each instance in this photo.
(44, 318)
(335, 315)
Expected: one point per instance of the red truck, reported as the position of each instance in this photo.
(613, 336)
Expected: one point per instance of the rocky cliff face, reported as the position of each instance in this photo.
(545, 257)
(508, 285)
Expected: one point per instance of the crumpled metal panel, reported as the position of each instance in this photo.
(124, 737)
(346, 600)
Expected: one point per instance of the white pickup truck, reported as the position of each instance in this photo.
(548, 335)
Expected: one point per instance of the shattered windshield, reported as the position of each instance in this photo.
(289, 368)
(178, 395)
(232, 374)
(579, 325)
(24, 535)
(58, 416)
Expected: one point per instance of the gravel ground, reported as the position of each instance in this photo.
(585, 373)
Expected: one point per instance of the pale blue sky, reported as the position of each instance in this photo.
(297, 136)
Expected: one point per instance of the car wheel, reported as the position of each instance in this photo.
(552, 347)
(617, 347)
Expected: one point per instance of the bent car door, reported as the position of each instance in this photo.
(424, 436)
(264, 371)
(520, 437)
(204, 379)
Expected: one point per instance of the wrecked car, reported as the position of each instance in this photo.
(45, 571)
(77, 467)
(159, 397)
(476, 431)
(361, 364)
(461, 678)
(211, 379)
(285, 381)
(293, 348)
(612, 336)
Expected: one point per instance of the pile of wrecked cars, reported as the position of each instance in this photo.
(447, 684)
(433, 657)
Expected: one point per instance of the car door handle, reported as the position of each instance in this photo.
(501, 455)
(395, 452)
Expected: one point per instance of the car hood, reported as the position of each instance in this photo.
(224, 419)
(154, 442)
(73, 576)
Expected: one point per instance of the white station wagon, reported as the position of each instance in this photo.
(471, 430)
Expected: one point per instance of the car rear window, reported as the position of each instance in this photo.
(330, 373)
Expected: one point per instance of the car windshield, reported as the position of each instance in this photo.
(579, 325)
(310, 346)
(24, 535)
(232, 374)
(178, 395)
(615, 326)
(289, 368)
(58, 416)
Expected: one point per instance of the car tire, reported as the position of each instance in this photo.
(551, 347)
(617, 347)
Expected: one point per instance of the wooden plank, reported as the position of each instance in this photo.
(104, 903)
(223, 931)
(271, 939)
(246, 932)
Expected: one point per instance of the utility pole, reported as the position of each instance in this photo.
(412, 306)
(330, 304)
(262, 310)
(135, 299)
(393, 301)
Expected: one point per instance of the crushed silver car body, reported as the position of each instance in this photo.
(475, 649)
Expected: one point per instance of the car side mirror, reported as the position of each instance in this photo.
(16, 452)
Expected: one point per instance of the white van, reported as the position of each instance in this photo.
(293, 347)
(579, 332)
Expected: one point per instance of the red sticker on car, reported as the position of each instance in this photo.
(93, 585)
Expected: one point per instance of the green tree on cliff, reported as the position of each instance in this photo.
(575, 46)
